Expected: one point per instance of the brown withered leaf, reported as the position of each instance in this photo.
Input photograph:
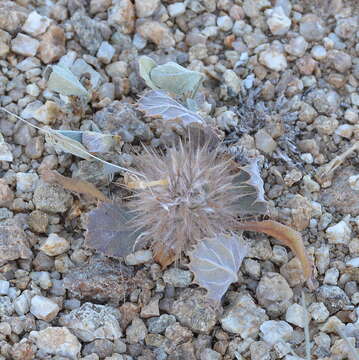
(162, 255)
(109, 230)
(286, 235)
(74, 185)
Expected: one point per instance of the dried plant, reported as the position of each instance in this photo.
(200, 200)
(188, 199)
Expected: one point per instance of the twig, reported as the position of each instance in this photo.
(326, 171)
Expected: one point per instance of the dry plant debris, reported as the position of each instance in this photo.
(275, 81)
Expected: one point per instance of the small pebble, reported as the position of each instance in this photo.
(278, 22)
(297, 46)
(353, 262)
(331, 276)
(106, 52)
(312, 27)
(273, 60)
(48, 113)
(24, 45)
(36, 24)
(339, 233)
(345, 131)
(54, 245)
(57, 341)
(136, 332)
(139, 257)
(146, 8)
(43, 308)
(26, 182)
(274, 331)
(4, 287)
(265, 142)
(318, 312)
(351, 116)
(318, 52)
(22, 304)
(225, 23)
(177, 277)
(232, 81)
(296, 315)
(176, 9)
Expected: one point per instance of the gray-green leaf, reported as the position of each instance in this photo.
(64, 82)
(66, 143)
(170, 77)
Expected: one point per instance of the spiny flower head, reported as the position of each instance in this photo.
(199, 199)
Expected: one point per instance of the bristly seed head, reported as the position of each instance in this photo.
(198, 202)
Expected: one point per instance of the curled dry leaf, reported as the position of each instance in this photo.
(215, 263)
(159, 104)
(93, 141)
(65, 143)
(249, 184)
(75, 185)
(109, 232)
(286, 235)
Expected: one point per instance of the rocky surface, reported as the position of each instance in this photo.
(281, 84)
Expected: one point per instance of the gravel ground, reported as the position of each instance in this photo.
(282, 80)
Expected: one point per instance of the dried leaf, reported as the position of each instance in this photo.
(93, 141)
(108, 230)
(170, 77)
(65, 143)
(250, 184)
(75, 185)
(215, 263)
(286, 235)
(162, 255)
(159, 104)
(64, 82)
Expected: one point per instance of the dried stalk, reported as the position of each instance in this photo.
(74, 185)
(286, 235)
